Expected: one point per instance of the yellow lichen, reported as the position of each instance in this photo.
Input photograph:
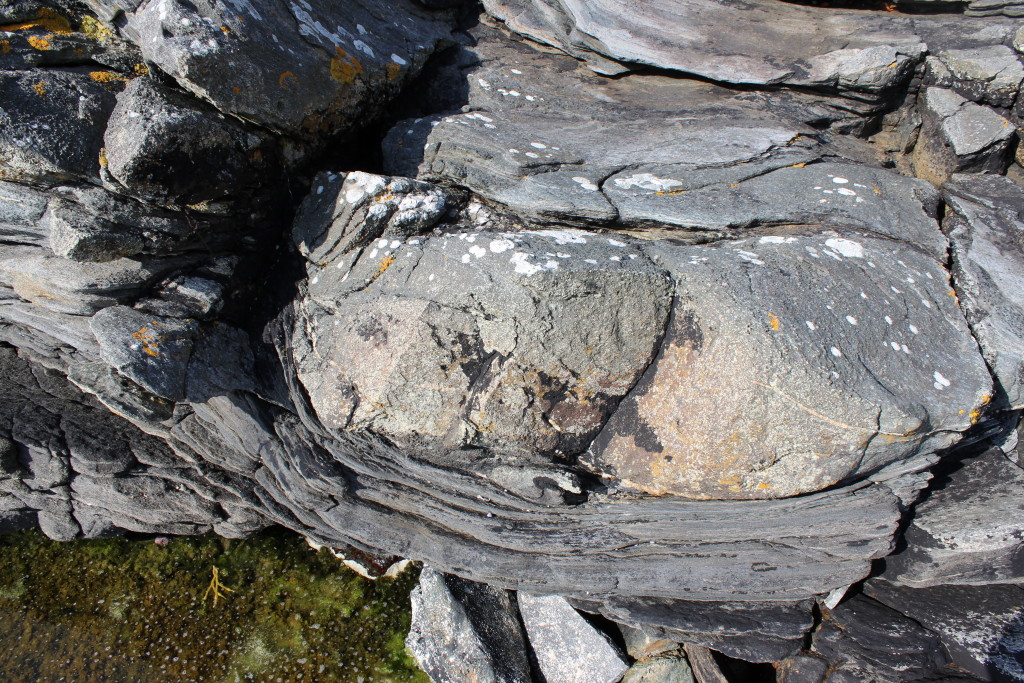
(103, 157)
(773, 320)
(669, 193)
(40, 88)
(106, 76)
(92, 28)
(39, 43)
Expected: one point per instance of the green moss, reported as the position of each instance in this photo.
(128, 609)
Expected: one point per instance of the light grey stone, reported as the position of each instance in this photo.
(885, 368)
(567, 647)
(959, 136)
(988, 75)
(987, 235)
(668, 667)
(348, 211)
(458, 638)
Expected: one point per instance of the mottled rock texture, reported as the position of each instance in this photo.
(632, 308)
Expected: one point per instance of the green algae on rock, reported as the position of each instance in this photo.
(130, 609)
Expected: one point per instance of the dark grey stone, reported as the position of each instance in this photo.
(151, 351)
(761, 632)
(868, 636)
(166, 147)
(51, 125)
(980, 626)
(969, 530)
(304, 69)
(803, 668)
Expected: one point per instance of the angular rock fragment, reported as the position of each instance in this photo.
(980, 626)
(987, 75)
(866, 636)
(348, 211)
(669, 667)
(761, 632)
(760, 391)
(969, 530)
(167, 147)
(151, 351)
(79, 288)
(51, 125)
(306, 69)
(567, 647)
(959, 136)
(986, 232)
(466, 632)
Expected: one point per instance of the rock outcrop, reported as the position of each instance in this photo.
(661, 313)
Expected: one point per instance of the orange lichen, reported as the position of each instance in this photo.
(345, 68)
(149, 341)
(669, 193)
(5, 46)
(393, 71)
(141, 69)
(800, 165)
(103, 157)
(384, 265)
(40, 88)
(46, 19)
(226, 30)
(39, 43)
(288, 78)
(773, 320)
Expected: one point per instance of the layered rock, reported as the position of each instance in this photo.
(670, 349)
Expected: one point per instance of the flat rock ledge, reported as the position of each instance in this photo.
(678, 342)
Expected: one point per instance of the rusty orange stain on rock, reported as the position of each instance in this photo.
(345, 68)
(288, 78)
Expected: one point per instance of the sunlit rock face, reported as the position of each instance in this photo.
(659, 317)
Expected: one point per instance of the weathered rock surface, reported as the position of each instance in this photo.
(986, 232)
(304, 69)
(980, 626)
(968, 531)
(579, 313)
(730, 410)
(865, 638)
(568, 649)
